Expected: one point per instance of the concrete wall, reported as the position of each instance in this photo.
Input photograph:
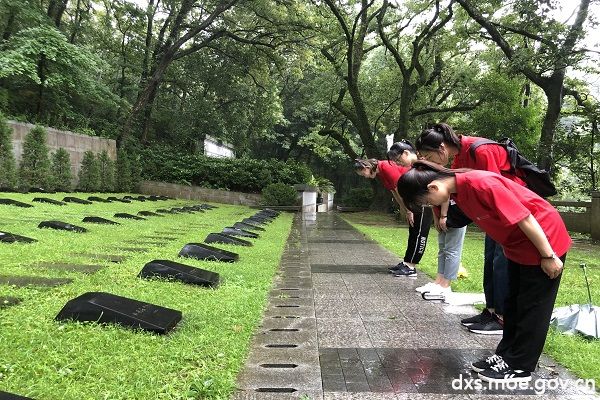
(74, 143)
(587, 221)
(215, 148)
(199, 193)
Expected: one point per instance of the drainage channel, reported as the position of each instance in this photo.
(284, 358)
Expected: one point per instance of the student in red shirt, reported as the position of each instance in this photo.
(441, 144)
(535, 242)
(419, 222)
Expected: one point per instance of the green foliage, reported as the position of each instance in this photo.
(323, 184)
(279, 194)
(358, 197)
(106, 167)
(244, 175)
(8, 168)
(123, 180)
(60, 169)
(35, 164)
(89, 174)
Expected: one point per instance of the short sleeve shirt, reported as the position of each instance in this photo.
(389, 173)
(488, 157)
(497, 205)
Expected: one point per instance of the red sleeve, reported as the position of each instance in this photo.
(486, 160)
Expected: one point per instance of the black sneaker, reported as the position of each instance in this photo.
(486, 363)
(482, 318)
(502, 373)
(493, 327)
(405, 270)
(396, 267)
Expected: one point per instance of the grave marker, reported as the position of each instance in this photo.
(180, 272)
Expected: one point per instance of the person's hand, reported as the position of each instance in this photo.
(552, 267)
(410, 218)
(442, 223)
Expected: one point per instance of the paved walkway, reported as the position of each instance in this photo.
(338, 326)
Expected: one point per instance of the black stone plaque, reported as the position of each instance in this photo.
(226, 239)
(109, 308)
(11, 202)
(99, 220)
(192, 209)
(128, 198)
(129, 216)
(259, 220)
(39, 190)
(99, 199)
(113, 198)
(180, 272)
(24, 281)
(244, 225)
(270, 211)
(151, 198)
(6, 237)
(49, 201)
(7, 301)
(181, 210)
(163, 211)
(251, 221)
(77, 200)
(203, 251)
(149, 214)
(139, 198)
(10, 396)
(239, 232)
(265, 217)
(63, 226)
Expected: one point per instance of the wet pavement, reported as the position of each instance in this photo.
(338, 326)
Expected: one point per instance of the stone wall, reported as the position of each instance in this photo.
(74, 143)
(199, 193)
(587, 221)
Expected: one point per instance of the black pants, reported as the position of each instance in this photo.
(495, 276)
(529, 306)
(417, 235)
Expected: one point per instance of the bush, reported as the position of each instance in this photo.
(60, 171)
(123, 179)
(35, 164)
(242, 174)
(8, 166)
(106, 167)
(89, 174)
(279, 194)
(358, 197)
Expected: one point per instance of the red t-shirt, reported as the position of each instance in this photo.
(389, 172)
(497, 204)
(488, 157)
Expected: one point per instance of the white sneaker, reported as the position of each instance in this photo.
(437, 290)
(426, 287)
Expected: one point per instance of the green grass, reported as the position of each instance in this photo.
(43, 359)
(577, 353)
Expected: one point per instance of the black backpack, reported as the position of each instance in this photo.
(537, 180)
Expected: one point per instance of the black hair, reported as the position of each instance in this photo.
(361, 163)
(432, 138)
(398, 148)
(412, 186)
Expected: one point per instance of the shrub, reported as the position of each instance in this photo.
(60, 171)
(279, 194)
(35, 164)
(243, 174)
(123, 179)
(106, 167)
(8, 166)
(89, 174)
(358, 197)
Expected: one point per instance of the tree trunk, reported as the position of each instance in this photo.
(407, 94)
(554, 94)
(12, 13)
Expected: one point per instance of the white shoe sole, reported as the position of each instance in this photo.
(479, 332)
(474, 368)
(505, 381)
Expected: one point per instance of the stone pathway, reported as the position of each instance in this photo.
(338, 326)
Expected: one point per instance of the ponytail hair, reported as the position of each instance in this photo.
(432, 138)
(398, 148)
(412, 186)
(361, 163)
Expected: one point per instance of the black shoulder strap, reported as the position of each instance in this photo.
(478, 143)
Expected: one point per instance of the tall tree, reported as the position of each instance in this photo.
(546, 67)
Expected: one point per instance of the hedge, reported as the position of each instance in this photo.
(238, 174)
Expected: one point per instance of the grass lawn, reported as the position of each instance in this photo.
(577, 353)
(43, 359)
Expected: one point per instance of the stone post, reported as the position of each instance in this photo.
(595, 216)
(309, 202)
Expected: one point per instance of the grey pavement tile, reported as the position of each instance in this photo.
(359, 396)
(252, 394)
(389, 331)
(301, 378)
(304, 324)
(338, 332)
